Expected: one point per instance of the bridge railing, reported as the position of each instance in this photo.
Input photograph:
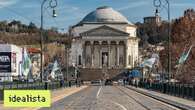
(180, 90)
(35, 86)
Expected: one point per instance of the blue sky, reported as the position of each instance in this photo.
(71, 12)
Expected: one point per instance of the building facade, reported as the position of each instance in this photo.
(10, 62)
(104, 39)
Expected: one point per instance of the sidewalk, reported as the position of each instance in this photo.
(56, 96)
(172, 100)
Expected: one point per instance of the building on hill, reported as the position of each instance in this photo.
(104, 42)
(155, 20)
(153, 30)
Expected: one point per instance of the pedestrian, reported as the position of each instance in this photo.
(136, 83)
(61, 83)
(133, 81)
(148, 84)
(124, 81)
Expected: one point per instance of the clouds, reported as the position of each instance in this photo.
(182, 5)
(71, 12)
(6, 3)
(133, 5)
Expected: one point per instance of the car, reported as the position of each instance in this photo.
(96, 82)
(31, 80)
(120, 82)
(108, 82)
(115, 83)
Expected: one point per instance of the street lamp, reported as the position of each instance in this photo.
(157, 4)
(52, 4)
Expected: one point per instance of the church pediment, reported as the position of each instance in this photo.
(104, 31)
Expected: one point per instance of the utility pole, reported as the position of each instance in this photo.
(67, 58)
(158, 3)
(169, 41)
(51, 5)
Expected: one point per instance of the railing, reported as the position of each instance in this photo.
(36, 86)
(180, 90)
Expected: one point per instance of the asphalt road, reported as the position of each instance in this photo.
(108, 98)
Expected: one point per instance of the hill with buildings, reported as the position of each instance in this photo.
(15, 32)
(154, 34)
(182, 37)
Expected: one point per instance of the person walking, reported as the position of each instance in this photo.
(124, 82)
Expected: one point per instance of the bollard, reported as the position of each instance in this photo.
(79, 83)
(167, 88)
(61, 83)
(46, 85)
(176, 89)
(1, 94)
(171, 89)
(193, 93)
(69, 83)
(164, 87)
(183, 90)
(180, 90)
(189, 91)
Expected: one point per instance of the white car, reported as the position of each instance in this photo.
(120, 81)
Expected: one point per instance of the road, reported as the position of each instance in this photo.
(108, 98)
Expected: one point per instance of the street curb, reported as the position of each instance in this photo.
(173, 103)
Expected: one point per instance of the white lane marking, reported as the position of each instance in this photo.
(119, 105)
(98, 93)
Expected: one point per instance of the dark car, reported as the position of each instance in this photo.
(108, 82)
(96, 82)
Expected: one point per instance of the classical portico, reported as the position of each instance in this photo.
(100, 54)
(104, 39)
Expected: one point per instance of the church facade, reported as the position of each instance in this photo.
(104, 39)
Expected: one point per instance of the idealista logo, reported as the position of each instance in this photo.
(4, 59)
(27, 98)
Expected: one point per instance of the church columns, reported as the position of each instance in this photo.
(100, 54)
(84, 54)
(117, 53)
(92, 53)
(109, 54)
(126, 54)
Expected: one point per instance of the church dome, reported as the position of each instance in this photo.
(105, 15)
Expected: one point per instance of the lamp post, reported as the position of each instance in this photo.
(52, 4)
(158, 3)
(67, 63)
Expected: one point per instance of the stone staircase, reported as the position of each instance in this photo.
(88, 74)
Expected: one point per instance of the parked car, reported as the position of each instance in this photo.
(115, 83)
(120, 82)
(108, 82)
(96, 82)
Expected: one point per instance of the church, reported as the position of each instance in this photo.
(104, 43)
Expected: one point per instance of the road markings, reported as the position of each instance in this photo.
(68, 92)
(119, 105)
(98, 93)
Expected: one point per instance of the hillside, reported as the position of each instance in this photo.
(15, 32)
